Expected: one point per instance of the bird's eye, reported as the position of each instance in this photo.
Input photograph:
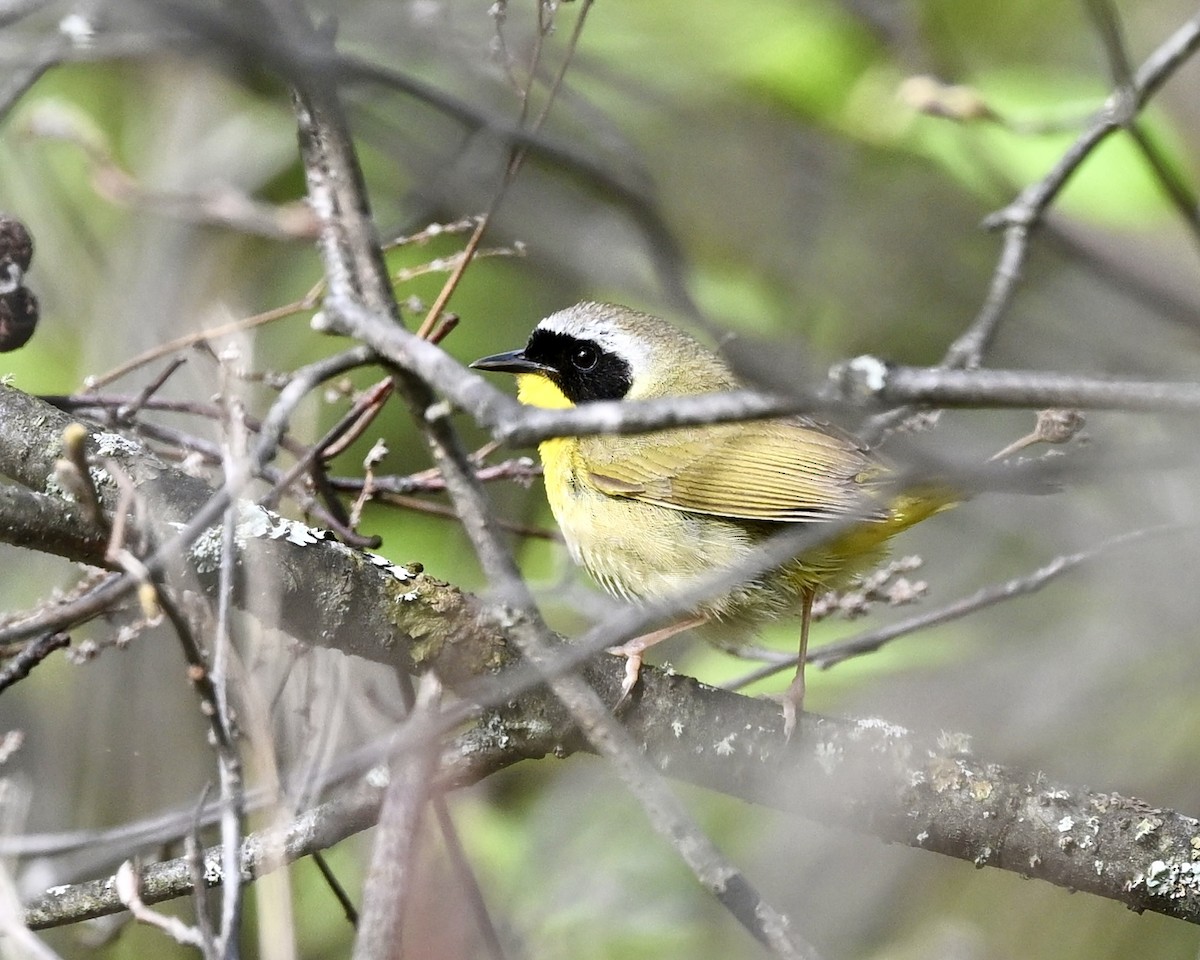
(585, 357)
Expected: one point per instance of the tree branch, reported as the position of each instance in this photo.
(864, 774)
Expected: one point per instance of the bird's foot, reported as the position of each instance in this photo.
(791, 702)
(632, 652)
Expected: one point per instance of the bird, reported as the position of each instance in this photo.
(647, 514)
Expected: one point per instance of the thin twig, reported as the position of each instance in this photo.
(193, 853)
(357, 279)
(229, 761)
(391, 880)
(454, 848)
(316, 829)
(872, 640)
(516, 160)
(1108, 25)
(1177, 191)
(112, 589)
(1014, 388)
(466, 876)
(864, 381)
(361, 416)
(130, 410)
(33, 653)
(128, 885)
(336, 888)
(1026, 212)
(348, 428)
(1159, 67)
(202, 336)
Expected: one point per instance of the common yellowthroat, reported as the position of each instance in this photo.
(647, 513)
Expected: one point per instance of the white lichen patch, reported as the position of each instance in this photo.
(295, 532)
(677, 728)
(1171, 879)
(253, 523)
(892, 731)
(206, 549)
(1066, 824)
(396, 570)
(724, 747)
(829, 756)
(113, 444)
(1146, 827)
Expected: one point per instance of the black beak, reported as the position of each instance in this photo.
(514, 361)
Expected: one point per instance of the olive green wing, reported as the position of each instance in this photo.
(775, 470)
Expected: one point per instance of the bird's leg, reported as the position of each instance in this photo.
(793, 697)
(633, 649)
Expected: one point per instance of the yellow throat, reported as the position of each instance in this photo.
(536, 390)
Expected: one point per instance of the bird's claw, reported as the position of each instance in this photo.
(791, 703)
(633, 671)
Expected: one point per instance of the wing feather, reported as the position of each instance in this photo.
(776, 470)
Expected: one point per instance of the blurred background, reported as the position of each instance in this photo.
(759, 158)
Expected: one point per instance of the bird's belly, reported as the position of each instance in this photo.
(640, 551)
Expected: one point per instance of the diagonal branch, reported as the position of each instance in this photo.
(929, 792)
(887, 782)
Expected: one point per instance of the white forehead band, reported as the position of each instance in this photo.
(605, 332)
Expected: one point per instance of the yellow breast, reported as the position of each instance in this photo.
(633, 550)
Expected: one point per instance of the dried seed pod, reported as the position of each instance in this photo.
(16, 248)
(18, 318)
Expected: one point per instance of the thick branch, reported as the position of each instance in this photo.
(34, 520)
(863, 774)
